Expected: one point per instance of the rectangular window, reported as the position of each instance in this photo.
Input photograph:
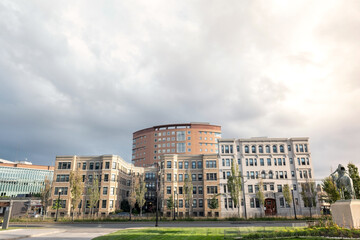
(107, 165)
(193, 177)
(186, 165)
(168, 190)
(279, 188)
(212, 189)
(84, 166)
(180, 190)
(194, 190)
(271, 187)
(282, 203)
(200, 190)
(227, 162)
(105, 190)
(210, 164)
(199, 163)
(261, 162)
(193, 165)
(106, 177)
(180, 177)
(168, 164)
(211, 176)
(250, 188)
(181, 203)
(113, 177)
(64, 165)
(194, 203)
(112, 191)
(180, 165)
(168, 177)
(180, 136)
(180, 147)
(103, 204)
(91, 166)
(114, 165)
(269, 161)
(111, 205)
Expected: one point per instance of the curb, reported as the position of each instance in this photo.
(32, 235)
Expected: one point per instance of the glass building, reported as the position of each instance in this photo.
(20, 180)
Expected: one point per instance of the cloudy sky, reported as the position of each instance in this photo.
(79, 77)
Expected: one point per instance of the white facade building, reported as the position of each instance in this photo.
(275, 162)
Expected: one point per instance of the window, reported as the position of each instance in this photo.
(301, 148)
(263, 174)
(277, 174)
(105, 190)
(106, 177)
(168, 177)
(307, 161)
(62, 178)
(261, 162)
(247, 162)
(113, 177)
(193, 177)
(212, 189)
(199, 163)
(114, 165)
(279, 188)
(64, 190)
(111, 204)
(230, 203)
(180, 165)
(302, 161)
(226, 148)
(227, 162)
(180, 147)
(200, 177)
(201, 203)
(292, 174)
(251, 162)
(186, 165)
(252, 176)
(305, 174)
(107, 165)
(282, 203)
(194, 190)
(310, 174)
(168, 190)
(301, 176)
(270, 175)
(281, 173)
(306, 149)
(275, 163)
(289, 148)
(265, 187)
(194, 203)
(246, 149)
(97, 165)
(291, 161)
(180, 190)
(261, 150)
(200, 190)
(250, 188)
(181, 203)
(180, 136)
(281, 148)
(180, 177)
(64, 165)
(298, 161)
(211, 164)
(252, 203)
(211, 176)
(274, 149)
(253, 149)
(267, 149)
(112, 191)
(193, 165)
(279, 162)
(103, 204)
(271, 187)
(168, 164)
(224, 177)
(84, 166)
(227, 175)
(91, 166)
(269, 161)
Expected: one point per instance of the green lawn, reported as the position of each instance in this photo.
(184, 233)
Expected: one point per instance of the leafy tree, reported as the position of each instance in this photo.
(46, 195)
(308, 194)
(354, 174)
(76, 190)
(214, 203)
(170, 203)
(188, 190)
(234, 185)
(260, 193)
(94, 195)
(287, 194)
(125, 206)
(132, 201)
(140, 194)
(329, 187)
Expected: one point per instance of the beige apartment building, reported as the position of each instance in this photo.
(116, 180)
(203, 170)
(186, 138)
(275, 161)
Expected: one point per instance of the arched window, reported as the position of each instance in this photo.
(267, 149)
(263, 174)
(281, 148)
(246, 149)
(253, 149)
(274, 148)
(270, 174)
(261, 150)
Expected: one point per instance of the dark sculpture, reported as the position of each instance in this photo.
(343, 182)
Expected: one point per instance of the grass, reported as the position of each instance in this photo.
(185, 233)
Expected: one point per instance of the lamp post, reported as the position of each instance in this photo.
(292, 193)
(58, 205)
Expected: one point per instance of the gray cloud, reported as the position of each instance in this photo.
(79, 78)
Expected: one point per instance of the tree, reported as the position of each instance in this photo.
(354, 174)
(287, 195)
(140, 194)
(234, 185)
(260, 194)
(132, 201)
(214, 203)
(308, 194)
(94, 195)
(329, 187)
(76, 190)
(188, 190)
(46, 195)
(170, 203)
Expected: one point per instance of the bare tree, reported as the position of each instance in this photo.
(234, 185)
(94, 195)
(188, 190)
(140, 194)
(76, 190)
(46, 195)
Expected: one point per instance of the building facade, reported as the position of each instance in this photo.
(21, 180)
(116, 180)
(203, 173)
(188, 138)
(272, 163)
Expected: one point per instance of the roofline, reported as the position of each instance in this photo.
(176, 125)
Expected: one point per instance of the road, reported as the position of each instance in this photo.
(87, 231)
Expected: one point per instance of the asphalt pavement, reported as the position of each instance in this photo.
(87, 231)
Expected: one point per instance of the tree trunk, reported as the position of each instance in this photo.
(239, 210)
(73, 212)
(130, 213)
(141, 212)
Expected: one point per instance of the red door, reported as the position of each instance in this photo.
(270, 206)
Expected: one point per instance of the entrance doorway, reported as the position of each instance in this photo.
(270, 206)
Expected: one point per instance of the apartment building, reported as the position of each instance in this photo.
(23, 179)
(186, 138)
(203, 171)
(116, 180)
(272, 161)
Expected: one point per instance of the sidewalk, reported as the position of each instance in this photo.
(27, 233)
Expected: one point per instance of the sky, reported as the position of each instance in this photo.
(79, 77)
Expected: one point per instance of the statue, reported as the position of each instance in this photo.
(343, 182)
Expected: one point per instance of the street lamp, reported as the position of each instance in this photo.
(58, 205)
(292, 193)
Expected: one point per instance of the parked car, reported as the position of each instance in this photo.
(123, 214)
